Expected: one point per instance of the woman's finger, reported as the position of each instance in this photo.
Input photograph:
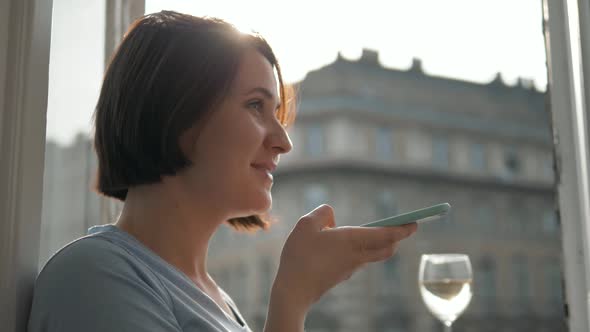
(366, 239)
(381, 254)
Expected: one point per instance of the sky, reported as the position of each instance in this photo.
(469, 40)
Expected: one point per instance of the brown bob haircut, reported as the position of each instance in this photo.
(167, 75)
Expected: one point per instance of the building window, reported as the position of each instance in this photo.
(549, 222)
(315, 195)
(391, 275)
(521, 282)
(485, 216)
(485, 282)
(512, 163)
(517, 217)
(440, 150)
(394, 319)
(266, 279)
(322, 321)
(548, 171)
(477, 157)
(384, 144)
(390, 269)
(237, 289)
(553, 285)
(385, 204)
(418, 146)
(315, 140)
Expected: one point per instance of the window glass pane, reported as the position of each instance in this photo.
(384, 143)
(315, 140)
(517, 217)
(478, 158)
(441, 91)
(266, 278)
(440, 147)
(485, 217)
(485, 284)
(547, 167)
(385, 204)
(512, 163)
(76, 66)
(391, 275)
(549, 222)
(315, 195)
(521, 284)
(553, 277)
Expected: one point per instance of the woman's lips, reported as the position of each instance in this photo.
(263, 172)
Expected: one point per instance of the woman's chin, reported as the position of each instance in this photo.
(252, 203)
(261, 203)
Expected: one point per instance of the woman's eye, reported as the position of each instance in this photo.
(256, 104)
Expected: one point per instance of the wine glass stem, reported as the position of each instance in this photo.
(448, 328)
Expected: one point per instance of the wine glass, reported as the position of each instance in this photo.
(445, 285)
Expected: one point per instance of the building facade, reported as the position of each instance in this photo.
(373, 142)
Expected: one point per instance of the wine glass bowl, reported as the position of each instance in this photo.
(445, 285)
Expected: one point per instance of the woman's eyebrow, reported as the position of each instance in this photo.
(262, 90)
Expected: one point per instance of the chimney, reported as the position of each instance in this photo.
(369, 57)
(498, 80)
(416, 65)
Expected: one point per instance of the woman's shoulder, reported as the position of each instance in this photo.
(84, 255)
(95, 280)
(103, 250)
(95, 259)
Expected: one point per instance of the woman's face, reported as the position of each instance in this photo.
(239, 146)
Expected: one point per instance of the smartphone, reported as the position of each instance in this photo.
(419, 216)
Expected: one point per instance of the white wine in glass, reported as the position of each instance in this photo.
(445, 285)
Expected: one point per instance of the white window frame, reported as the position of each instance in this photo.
(567, 29)
(25, 33)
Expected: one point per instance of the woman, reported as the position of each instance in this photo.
(189, 126)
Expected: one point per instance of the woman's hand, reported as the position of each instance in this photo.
(318, 255)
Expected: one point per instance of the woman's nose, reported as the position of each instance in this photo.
(278, 139)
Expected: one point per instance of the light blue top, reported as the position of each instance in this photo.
(109, 281)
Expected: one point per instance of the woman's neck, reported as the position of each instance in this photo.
(164, 223)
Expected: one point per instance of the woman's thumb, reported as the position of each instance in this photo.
(320, 218)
